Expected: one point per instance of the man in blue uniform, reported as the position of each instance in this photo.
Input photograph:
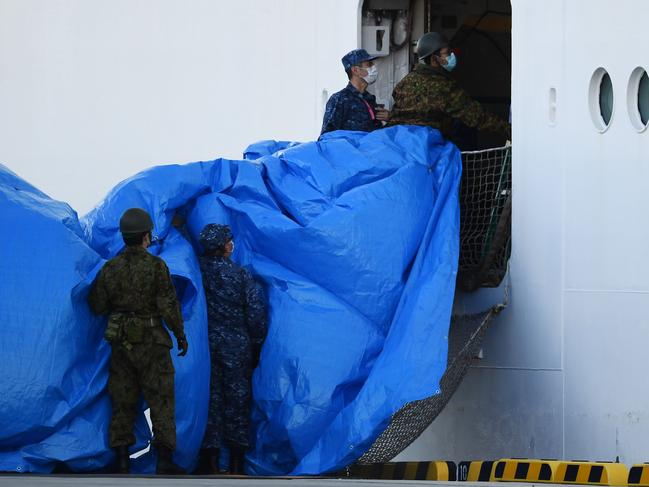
(236, 318)
(353, 108)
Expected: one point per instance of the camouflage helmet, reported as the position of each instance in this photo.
(214, 236)
(429, 43)
(134, 221)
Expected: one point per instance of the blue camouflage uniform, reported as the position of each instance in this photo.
(236, 317)
(349, 109)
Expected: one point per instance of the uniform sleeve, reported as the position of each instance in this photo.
(334, 115)
(256, 314)
(98, 297)
(459, 105)
(167, 302)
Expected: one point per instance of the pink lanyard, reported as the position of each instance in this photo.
(369, 109)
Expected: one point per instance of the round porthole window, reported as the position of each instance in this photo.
(601, 99)
(638, 99)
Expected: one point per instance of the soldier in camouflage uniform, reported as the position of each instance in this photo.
(135, 289)
(429, 96)
(353, 108)
(236, 314)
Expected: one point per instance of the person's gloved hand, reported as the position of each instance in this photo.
(182, 346)
(382, 115)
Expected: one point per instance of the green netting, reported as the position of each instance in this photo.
(485, 218)
(465, 339)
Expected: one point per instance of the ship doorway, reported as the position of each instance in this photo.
(479, 32)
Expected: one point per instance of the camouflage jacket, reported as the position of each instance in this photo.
(136, 289)
(428, 96)
(235, 303)
(349, 109)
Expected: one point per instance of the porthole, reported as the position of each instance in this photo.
(643, 99)
(601, 99)
(638, 99)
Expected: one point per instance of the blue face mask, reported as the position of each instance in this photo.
(451, 62)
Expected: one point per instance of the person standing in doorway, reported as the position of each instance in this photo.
(429, 95)
(354, 108)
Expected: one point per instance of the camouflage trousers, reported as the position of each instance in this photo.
(228, 420)
(146, 369)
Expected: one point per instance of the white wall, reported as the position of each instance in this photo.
(92, 91)
(565, 368)
(606, 237)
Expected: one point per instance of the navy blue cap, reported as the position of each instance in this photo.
(214, 237)
(357, 56)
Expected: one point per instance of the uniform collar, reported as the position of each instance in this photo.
(353, 89)
(134, 249)
(429, 70)
(215, 257)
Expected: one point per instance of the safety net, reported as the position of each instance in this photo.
(465, 339)
(485, 208)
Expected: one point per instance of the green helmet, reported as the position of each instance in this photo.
(134, 221)
(429, 43)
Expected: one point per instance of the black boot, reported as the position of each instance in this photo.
(203, 464)
(214, 456)
(123, 460)
(165, 466)
(237, 459)
(208, 462)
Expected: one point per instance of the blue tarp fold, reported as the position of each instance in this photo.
(355, 239)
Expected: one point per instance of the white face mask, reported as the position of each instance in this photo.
(372, 73)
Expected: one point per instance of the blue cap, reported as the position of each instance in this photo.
(357, 56)
(214, 237)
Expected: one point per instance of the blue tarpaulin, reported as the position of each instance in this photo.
(355, 239)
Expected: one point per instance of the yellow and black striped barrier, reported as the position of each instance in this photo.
(405, 471)
(639, 475)
(593, 473)
(476, 471)
(509, 470)
(525, 470)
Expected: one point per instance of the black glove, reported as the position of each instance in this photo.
(182, 346)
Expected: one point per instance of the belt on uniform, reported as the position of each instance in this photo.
(148, 320)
